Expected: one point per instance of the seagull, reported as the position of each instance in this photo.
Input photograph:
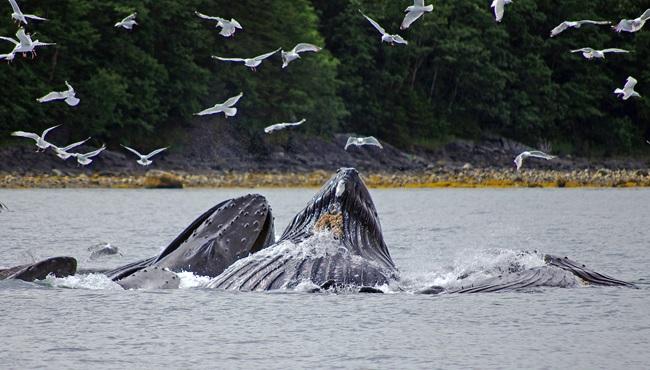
(144, 159)
(574, 24)
(63, 152)
(84, 159)
(128, 22)
(40, 140)
(590, 53)
(499, 7)
(293, 54)
(519, 160)
(628, 90)
(282, 126)
(228, 27)
(391, 39)
(251, 63)
(226, 107)
(24, 44)
(632, 25)
(19, 16)
(414, 12)
(68, 96)
(359, 141)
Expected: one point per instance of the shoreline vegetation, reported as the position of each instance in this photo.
(434, 178)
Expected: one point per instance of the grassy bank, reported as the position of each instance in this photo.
(470, 178)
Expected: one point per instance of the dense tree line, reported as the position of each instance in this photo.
(462, 74)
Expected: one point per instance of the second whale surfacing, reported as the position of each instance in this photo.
(231, 230)
(336, 240)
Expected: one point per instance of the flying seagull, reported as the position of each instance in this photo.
(574, 24)
(385, 37)
(68, 96)
(360, 141)
(128, 22)
(84, 159)
(282, 126)
(293, 54)
(63, 152)
(414, 12)
(590, 53)
(24, 44)
(19, 16)
(632, 25)
(226, 107)
(499, 8)
(40, 140)
(228, 27)
(251, 63)
(628, 90)
(144, 159)
(519, 160)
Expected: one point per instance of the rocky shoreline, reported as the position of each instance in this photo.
(216, 155)
(434, 178)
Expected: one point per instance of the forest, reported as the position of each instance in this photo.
(462, 75)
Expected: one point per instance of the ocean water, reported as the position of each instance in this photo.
(433, 235)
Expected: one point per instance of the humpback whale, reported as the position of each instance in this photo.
(336, 240)
(58, 266)
(231, 230)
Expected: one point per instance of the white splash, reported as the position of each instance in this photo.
(84, 281)
(189, 280)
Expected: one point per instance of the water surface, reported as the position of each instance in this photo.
(432, 234)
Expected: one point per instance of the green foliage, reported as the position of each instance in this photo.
(462, 74)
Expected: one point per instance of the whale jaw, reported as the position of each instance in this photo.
(57, 266)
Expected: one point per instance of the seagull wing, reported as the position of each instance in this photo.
(236, 24)
(304, 47)
(10, 40)
(498, 6)
(264, 56)
(14, 6)
(35, 17)
(73, 145)
(583, 50)
(133, 151)
(54, 95)
(351, 140)
(201, 15)
(25, 134)
(94, 153)
(23, 37)
(371, 140)
(646, 15)
(48, 130)
(409, 18)
(559, 29)
(587, 21)
(614, 50)
(155, 152)
(374, 24)
(630, 83)
(130, 17)
(239, 60)
(538, 154)
(70, 89)
(232, 101)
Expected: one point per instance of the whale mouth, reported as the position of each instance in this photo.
(344, 207)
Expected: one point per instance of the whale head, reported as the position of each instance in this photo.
(229, 231)
(343, 207)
